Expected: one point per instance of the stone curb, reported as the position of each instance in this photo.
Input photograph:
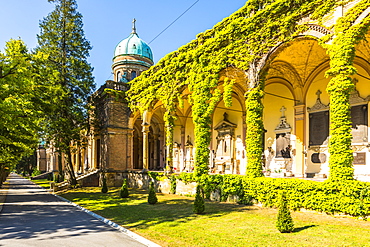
(112, 224)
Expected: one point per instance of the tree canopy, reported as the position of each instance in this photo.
(21, 95)
(62, 39)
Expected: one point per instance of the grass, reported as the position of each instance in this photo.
(43, 183)
(171, 221)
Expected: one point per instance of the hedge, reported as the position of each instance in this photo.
(348, 197)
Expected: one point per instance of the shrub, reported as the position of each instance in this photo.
(104, 188)
(284, 220)
(152, 198)
(198, 207)
(35, 173)
(173, 181)
(124, 190)
(50, 177)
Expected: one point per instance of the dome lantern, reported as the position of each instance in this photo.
(133, 45)
(131, 57)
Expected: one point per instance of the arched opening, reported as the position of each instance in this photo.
(137, 146)
(133, 75)
(118, 78)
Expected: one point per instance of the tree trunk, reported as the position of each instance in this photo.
(71, 178)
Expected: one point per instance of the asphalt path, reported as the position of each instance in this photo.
(31, 216)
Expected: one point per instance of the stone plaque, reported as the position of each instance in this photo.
(359, 158)
(319, 127)
(318, 158)
(359, 123)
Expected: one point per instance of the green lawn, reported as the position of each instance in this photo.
(43, 183)
(171, 222)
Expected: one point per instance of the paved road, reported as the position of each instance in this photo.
(33, 217)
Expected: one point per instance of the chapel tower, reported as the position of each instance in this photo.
(113, 143)
(131, 57)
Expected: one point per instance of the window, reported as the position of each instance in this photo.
(133, 75)
(118, 76)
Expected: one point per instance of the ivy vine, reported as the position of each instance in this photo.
(243, 40)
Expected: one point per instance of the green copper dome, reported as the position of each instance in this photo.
(133, 45)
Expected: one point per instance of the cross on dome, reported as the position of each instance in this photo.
(133, 26)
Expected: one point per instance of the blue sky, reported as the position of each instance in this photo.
(107, 22)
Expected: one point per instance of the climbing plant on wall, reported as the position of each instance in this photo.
(244, 40)
(342, 53)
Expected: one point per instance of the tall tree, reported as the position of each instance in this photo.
(62, 39)
(20, 108)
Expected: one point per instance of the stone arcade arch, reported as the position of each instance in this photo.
(291, 68)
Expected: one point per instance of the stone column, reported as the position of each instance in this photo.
(183, 140)
(300, 156)
(155, 150)
(130, 150)
(145, 146)
(162, 153)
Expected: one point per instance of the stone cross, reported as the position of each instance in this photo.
(283, 109)
(133, 26)
(318, 93)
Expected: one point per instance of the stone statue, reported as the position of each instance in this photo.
(286, 153)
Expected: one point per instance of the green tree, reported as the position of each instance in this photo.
(20, 104)
(104, 188)
(284, 220)
(198, 206)
(27, 164)
(152, 198)
(124, 190)
(62, 39)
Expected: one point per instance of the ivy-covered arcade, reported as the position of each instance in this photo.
(278, 78)
(278, 87)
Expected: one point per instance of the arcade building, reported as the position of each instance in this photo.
(296, 115)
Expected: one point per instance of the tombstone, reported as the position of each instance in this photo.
(189, 160)
(239, 155)
(359, 123)
(269, 157)
(319, 128)
(224, 157)
(359, 158)
(282, 159)
(318, 122)
(177, 156)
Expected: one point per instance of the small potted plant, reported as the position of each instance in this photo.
(268, 172)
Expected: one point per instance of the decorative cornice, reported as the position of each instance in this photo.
(318, 28)
(318, 106)
(356, 99)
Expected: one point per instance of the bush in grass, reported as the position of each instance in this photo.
(284, 220)
(104, 188)
(35, 172)
(124, 190)
(198, 207)
(152, 198)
